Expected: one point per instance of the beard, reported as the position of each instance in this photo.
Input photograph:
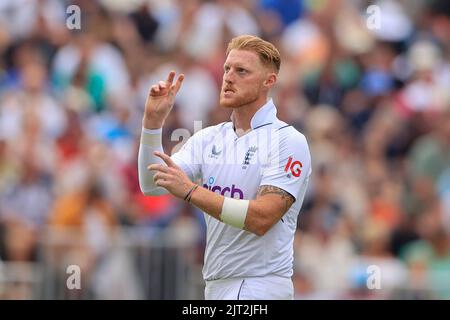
(237, 100)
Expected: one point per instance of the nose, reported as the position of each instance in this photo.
(228, 77)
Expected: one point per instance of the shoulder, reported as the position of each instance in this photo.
(290, 135)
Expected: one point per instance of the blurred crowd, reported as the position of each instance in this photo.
(373, 101)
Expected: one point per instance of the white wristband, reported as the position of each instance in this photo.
(234, 212)
(152, 138)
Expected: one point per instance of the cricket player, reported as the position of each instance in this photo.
(253, 173)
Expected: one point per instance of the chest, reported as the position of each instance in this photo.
(234, 166)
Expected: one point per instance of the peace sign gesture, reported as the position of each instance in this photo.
(160, 101)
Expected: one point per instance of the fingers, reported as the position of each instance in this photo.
(162, 86)
(166, 159)
(161, 176)
(176, 87)
(170, 77)
(159, 88)
(162, 183)
(158, 167)
(154, 90)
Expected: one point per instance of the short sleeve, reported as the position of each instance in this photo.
(288, 164)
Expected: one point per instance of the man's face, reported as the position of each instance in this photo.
(243, 79)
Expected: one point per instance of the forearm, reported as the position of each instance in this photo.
(258, 218)
(151, 141)
(208, 201)
(151, 123)
(157, 107)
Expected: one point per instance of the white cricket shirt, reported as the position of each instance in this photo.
(272, 153)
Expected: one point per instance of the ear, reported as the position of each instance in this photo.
(270, 80)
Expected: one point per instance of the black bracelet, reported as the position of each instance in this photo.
(189, 194)
(192, 192)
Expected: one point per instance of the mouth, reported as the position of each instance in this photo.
(228, 90)
(228, 93)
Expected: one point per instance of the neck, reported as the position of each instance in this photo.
(242, 116)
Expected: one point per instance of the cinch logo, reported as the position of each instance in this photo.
(294, 167)
(233, 190)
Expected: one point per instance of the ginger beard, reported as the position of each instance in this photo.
(232, 97)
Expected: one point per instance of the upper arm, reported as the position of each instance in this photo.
(276, 198)
(284, 176)
(268, 208)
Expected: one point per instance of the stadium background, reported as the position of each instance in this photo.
(373, 102)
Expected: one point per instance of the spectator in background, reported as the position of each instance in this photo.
(287, 11)
(31, 97)
(84, 221)
(24, 208)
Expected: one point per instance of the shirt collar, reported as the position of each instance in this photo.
(265, 115)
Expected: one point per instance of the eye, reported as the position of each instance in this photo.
(241, 70)
(226, 69)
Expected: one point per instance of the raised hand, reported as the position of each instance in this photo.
(160, 101)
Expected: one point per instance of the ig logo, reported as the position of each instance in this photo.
(294, 167)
